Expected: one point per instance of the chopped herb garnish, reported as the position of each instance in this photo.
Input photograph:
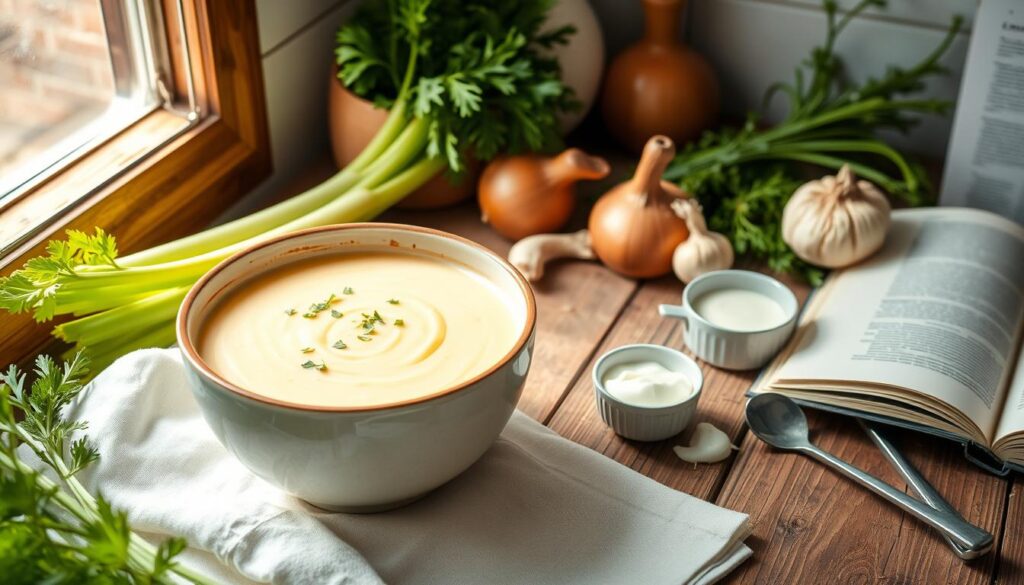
(290, 312)
(369, 322)
(392, 301)
(306, 350)
(400, 322)
(364, 338)
(316, 308)
(337, 314)
(348, 290)
(311, 365)
(339, 345)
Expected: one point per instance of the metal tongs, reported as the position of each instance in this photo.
(780, 422)
(920, 485)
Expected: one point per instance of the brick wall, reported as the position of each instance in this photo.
(56, 73)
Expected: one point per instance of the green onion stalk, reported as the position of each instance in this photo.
(829, 123)
(457, 79)
(744, 176)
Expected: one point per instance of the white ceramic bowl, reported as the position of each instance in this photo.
(359, 459)
(729, 348)
(645, 423)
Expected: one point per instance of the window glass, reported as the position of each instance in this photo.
(75, 73)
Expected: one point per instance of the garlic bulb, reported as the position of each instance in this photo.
(836, 221)
(704, 251)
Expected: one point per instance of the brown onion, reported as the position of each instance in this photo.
(633, 227)
(525, 195)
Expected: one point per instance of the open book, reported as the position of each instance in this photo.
(925, 334)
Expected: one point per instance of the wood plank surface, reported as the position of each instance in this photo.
(813, 526)
(721, 400)
(810, 525)
(1011, 555)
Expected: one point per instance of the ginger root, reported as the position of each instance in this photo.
(530, 254)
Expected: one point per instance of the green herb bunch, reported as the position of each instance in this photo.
(483, 79)
(744, 176)
(54, 530)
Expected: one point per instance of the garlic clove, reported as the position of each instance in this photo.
(707, 445)
(704, 250)
(836, 221)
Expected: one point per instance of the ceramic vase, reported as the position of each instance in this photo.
(659, 85)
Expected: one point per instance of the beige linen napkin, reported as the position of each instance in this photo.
(535, 509)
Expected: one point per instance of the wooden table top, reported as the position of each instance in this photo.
(809, 524)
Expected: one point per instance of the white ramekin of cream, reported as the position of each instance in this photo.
(647, 392)
(735, 319)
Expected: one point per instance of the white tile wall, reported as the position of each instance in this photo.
(297, 42)
(754, 43)
(935, 13)
(280, 19)
(622, 22)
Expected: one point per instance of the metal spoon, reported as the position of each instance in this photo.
(778, 421)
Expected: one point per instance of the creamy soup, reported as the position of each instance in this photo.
(360, 329)
(740, 309)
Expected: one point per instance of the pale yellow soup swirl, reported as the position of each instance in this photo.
(440, 323)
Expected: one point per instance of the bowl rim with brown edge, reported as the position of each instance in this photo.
(196, 361)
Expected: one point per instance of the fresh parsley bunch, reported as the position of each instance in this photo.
(744, 176)
(54, 530)
(476, 70)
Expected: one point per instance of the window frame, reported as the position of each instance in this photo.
(185, 182)
(136, 94)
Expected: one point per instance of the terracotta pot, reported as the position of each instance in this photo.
(659, 86)
(353, 122)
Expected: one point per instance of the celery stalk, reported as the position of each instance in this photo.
(130, 281)
(123, 319)
(259, 222)
(104, 353)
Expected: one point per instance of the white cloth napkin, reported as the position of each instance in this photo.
(535, 509)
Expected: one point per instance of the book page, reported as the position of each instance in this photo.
(938, 311)
(985, 161)
(1012, 419)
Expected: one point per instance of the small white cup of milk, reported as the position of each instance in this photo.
(735, 319)
(647, 392)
